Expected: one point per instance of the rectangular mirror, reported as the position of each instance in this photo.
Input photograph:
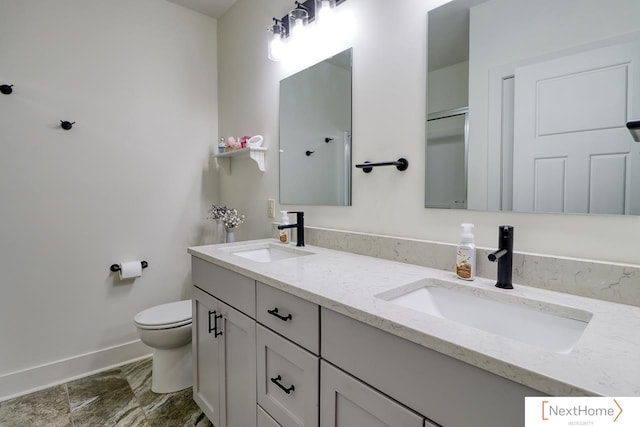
(548, 88)
(315, 134)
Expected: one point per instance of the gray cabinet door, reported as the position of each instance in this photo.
(265, 420)
(206, 355)
(224, 349)
(238, 380)
(347, 402)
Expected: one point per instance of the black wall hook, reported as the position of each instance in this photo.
(66, 125)
(309, 152)
(328, 140)
(6, 89)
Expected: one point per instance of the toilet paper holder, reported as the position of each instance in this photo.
(116, 267)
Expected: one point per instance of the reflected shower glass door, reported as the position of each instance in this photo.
(446, 163)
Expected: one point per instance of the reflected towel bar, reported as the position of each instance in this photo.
(634, 128)
(401, 164)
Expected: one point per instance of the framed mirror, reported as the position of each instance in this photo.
(547, 88)
(315, 134)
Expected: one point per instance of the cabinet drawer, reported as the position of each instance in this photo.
(290, 316)
(232, 288)
(287, 380)
(347, 402)
(265, 420)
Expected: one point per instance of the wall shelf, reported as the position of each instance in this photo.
(224, 159)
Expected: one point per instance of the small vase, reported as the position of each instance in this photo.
(231, 237)
(220, 237)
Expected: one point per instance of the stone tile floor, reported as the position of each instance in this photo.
(119, 397)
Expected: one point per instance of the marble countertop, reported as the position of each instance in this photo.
(605, 361)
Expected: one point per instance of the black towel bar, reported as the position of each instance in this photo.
(401, 164)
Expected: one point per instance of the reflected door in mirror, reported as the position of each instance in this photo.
(542, 138)
(572, 152)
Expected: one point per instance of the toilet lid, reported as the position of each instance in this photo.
(172, 314)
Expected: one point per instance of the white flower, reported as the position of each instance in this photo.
(232, 219)
(217, 212)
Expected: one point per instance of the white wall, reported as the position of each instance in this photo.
(130, 181)
(389, 108)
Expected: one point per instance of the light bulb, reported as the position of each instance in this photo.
(326, 12)
(297, 29)
(298, 19)
(276, 44)
(277, 49)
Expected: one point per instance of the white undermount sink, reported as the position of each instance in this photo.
(549, 326)
(267, 252)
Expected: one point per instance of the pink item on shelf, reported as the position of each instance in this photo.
(243, 141)
(233, 143)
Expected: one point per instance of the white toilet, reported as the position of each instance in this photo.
(167, 329)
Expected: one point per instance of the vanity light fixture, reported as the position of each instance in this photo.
(277, 40)
(291, 28)
(298, 21)
(325, 12)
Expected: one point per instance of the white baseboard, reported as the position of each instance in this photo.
(40, 377)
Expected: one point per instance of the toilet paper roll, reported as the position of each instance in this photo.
(130, 270)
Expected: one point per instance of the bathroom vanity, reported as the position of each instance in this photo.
(318, 337)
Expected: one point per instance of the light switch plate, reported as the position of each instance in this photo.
(271, 208)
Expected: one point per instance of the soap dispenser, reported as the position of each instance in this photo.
(466, 254)
(285, 235)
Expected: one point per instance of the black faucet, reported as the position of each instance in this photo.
(504, 256)
(299, 225)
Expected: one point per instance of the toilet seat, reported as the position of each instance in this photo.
(165, 316)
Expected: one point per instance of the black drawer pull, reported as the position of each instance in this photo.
(276, 381)
(215, 324)
(210, 328)
(214, 329)
(274, 312)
